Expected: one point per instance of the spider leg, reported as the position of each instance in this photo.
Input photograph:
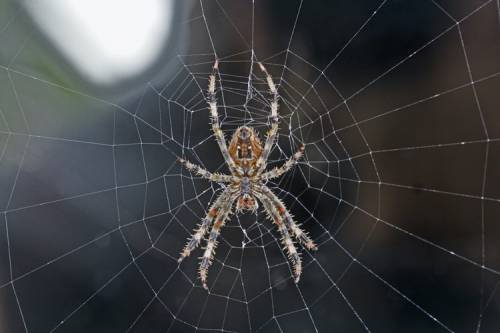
(278, 205)
(277, 172)
(198, 170)
(208, 255)
(273, 131)
(212, 103)
(286, 239)
(202, 229)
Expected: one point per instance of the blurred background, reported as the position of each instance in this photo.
(396, 101)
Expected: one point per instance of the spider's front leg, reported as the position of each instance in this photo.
(207, 258)
(214, 115)
(273, 131)
(203, 227)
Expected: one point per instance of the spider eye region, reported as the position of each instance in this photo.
(244, 133)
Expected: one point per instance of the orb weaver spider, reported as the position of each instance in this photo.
(247, 160)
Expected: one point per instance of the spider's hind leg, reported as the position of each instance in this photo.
(280, 208)
(286, 239)
(198, 235)
(208, 255)
(203, 227)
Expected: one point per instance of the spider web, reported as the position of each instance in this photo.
(396, 104)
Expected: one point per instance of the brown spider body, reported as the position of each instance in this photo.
(246, 158)
(245, 150)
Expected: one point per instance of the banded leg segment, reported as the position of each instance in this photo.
(198, 170)
(280, 208)
(273, 131)
(208, 255)
(202, 229)
(214, 116)
(286, 239)
(277, 172)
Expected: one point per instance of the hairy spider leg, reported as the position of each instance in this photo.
(273, 131)
(213, 177)
(208, 255)
(280, 208)
(286, 239)
(290, 163)
(214, 115)
(202, 229)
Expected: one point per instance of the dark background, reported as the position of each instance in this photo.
(400, 184)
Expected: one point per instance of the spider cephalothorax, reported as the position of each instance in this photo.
(247, 160)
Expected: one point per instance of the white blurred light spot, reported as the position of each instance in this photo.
(106, 40)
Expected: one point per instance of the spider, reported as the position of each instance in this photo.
(246, 185)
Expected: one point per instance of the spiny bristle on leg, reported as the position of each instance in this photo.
(311, 245)
(185, 253)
